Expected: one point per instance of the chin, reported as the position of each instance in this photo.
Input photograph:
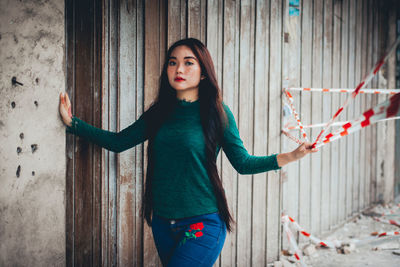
(179, 88)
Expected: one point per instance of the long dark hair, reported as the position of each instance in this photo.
(213, 120)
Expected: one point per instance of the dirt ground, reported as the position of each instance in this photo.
(368, 250)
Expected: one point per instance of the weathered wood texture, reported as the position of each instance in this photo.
(84, 174)
(257, 49)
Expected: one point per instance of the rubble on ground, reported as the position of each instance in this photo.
(363, 242)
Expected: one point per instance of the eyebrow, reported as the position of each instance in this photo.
(183, 58)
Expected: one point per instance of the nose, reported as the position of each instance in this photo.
(179, 69)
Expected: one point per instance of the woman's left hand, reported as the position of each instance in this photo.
(298, 153)
(303, 150)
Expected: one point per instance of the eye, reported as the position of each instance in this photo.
(189, 63)
(171, 63)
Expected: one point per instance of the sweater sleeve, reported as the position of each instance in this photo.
(116, 142)
(237, 154)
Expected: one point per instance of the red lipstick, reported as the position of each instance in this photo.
(179, 79)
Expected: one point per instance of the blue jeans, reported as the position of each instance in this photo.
(192, 241)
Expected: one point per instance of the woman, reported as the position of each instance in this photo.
(187, 124)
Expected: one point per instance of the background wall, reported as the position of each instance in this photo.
(32, 182)
(114, 54)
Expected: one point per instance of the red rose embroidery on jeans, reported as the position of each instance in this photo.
(193, 232)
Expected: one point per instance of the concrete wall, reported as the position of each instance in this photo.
(32, 196)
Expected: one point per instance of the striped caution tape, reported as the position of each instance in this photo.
(387, 109)
(288, 127)
(392, 211)
(293, 244)
(289, 97)
(393, 222)
(361, 85)
(286, 220)
(319, 142)
(346, 90)
(315, 240)
(298, 141)
(316, 125)
(385, 233)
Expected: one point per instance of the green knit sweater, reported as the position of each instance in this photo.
(181, 185)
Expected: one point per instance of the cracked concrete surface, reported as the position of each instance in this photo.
(32, 204)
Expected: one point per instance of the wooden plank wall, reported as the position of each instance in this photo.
(257, 49)
(84, 162)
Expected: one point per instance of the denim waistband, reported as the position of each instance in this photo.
(186, 218)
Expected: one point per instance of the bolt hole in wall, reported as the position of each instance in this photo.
(15, 82)
(34, 147)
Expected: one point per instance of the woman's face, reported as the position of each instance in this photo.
(184, 71)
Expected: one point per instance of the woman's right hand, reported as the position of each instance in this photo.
(65, 109)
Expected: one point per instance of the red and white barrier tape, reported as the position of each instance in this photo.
(368, 78)
(345, 90)
(387, 234)
(292, 137)
(293, 244)
(338, 123)
(387, 109)
(285, 220)
(296, 116)
(392, 211)
(393, 222)
(315, 240)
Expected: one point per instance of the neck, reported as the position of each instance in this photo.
(190, 96)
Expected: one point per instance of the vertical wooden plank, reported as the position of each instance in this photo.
(316, 115)
(259, 185)
(83, 184)
(70, 142)
(230, 88)
(328, 182)
(362, 158)
(374, 102)
(390, 31)
(246, 123)
(112, 120)
(344, 71)
(97, 115)
(84, 72)
(113, 124)
(305, 163)
(127, 108)
(139, 171)
(397, 123)
(368, 102)
(131, 106)
(336, 185)
(214, 39)
(291, 78)
(357, 108)
(212, 29)
(104, 189)
(154, 45)
(350, 109)
(177, 12)
(382, 127)
(275, 87)
(196, 19)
